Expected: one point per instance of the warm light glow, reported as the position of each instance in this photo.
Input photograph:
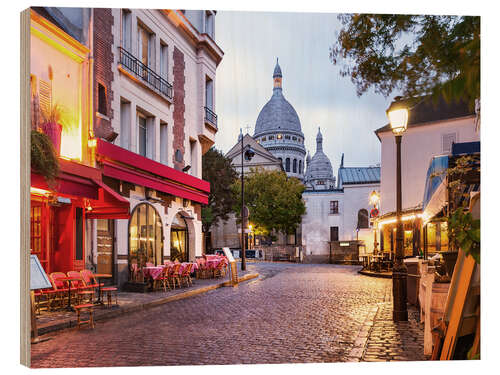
(374, 198)
(398, 119)
(38, 191)
(92, 143)
(250, 227)
(404, 218)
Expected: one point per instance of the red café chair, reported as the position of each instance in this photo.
(60, 288)
(173, 274)
(79, 288)
(163, 279)
(185, 276)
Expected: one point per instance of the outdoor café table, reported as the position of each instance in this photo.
(153, 272)
(101, 276)
(69, 279)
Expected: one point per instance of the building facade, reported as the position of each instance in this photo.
(433, 128)
(136, 92)
(155, 73)
(337, 215)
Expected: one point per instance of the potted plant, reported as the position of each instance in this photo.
(463, 231)
(51, 125)
(44, 160)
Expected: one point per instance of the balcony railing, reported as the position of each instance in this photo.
(153, 80)
(210, 116)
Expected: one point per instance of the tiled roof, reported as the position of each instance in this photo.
(429, 110)
(359, 175)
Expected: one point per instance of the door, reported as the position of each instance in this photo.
(105, 247)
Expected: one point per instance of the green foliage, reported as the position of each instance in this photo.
(44, 158)
(274, 201)
(465, 232)
(414, 55)
(218, 170)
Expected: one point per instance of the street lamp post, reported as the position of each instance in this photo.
(398, 118)
(248, 155)
(374, 199)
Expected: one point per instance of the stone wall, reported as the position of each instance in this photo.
(280, 252)
(345, 252)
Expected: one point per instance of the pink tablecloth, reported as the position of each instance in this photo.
(184, 265)
(152, 272)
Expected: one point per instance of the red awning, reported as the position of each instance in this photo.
(105, 203)
(67, 184)
(138, 178)
(110, 204)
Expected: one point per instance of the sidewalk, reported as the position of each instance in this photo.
(130, 302)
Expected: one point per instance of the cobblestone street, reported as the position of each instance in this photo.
(292, 313)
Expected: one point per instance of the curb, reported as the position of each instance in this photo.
(375, 274)
(142, 306)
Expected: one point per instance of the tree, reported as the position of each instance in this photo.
(274, 201)
(415, 55)
(218, 170)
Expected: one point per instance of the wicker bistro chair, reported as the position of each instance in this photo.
(200, 272)
(80, 290)
(173, 274)
(185, 277)
(220, 269)
(89, 279)
(164, 279)
(60, 289)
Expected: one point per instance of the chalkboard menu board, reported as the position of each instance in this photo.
(38, 277)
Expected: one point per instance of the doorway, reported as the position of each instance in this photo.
(105, 247)
(179, 239)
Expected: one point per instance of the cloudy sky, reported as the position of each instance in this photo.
(251, 41)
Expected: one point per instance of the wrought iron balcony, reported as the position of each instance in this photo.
(210, 116)
(148, 76)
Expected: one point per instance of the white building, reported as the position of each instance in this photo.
(336, 217)
(162, 65)
(432, 129)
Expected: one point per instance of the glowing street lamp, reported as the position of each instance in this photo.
(398, 118)
(374, 199)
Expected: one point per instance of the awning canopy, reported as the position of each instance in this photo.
(105, 203)
(435, 187)
(124, 165)
(435, 193)
(110, 204)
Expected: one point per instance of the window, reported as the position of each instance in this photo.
(101, 99)
(447, 140)
(294, 166)
(287, 137)
(334, 207)
(281, 161)
(320, 182)
(287, 164)
(163, 142)
(36, 229)
(209, 93)
(263, 139)
(279, 136)
(126, 37)
(209, 24)
(300, 166)
(362, 218)
(334, 233)
(194, 158)
(271, 137)
(125, 125)
(142, 134)
(145, 236)
(294, 138)
(145, 48)
(164, 61)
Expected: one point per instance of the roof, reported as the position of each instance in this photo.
(277, 113)
(235, 151)
(358, 175)
(319, 166)
(427, 110)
